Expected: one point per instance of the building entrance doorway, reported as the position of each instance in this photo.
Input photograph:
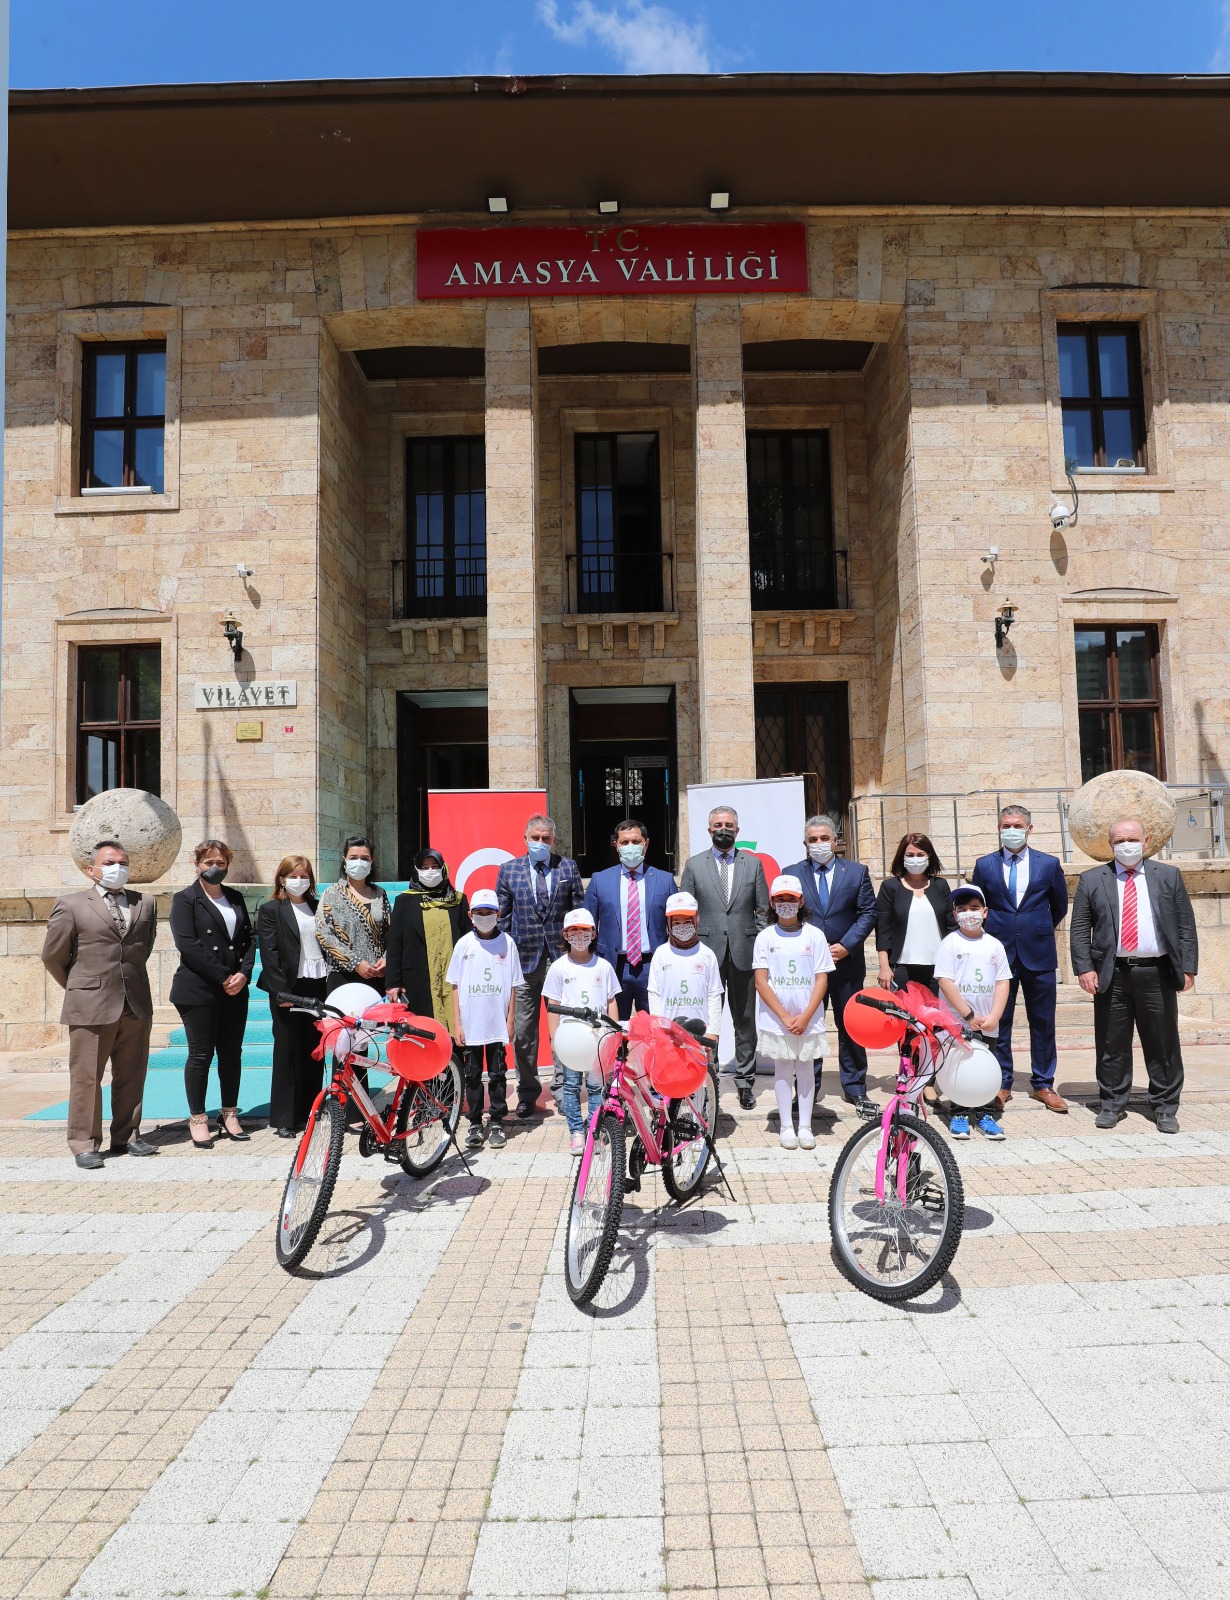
(441, 744)
(623, 765)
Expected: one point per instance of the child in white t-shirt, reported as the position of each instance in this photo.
(974, 977)
(685, 983)
(484, 971)
(791, 962)
(578, 979)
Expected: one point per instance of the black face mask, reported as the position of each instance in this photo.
(214, 874)
(724, 838)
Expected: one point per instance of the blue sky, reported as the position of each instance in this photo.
(74, 43)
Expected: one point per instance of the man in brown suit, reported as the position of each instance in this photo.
(97, 946)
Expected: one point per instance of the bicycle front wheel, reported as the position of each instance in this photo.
(890, 1249)
(593, 1217)
(309, 1187)
(685, 1163)
(428, 1116)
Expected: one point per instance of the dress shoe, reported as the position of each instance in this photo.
(1167, 1122)
(525, 1108)
(283, 1133)
(89, 1161)
(747, 1099)
(1003, 1097)
(136, 1146)
(1107, 1119)
(1051, 1100)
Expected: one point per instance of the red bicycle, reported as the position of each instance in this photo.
(415, 1131)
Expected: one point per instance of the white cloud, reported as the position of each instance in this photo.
(1221, 56)
(642, 38)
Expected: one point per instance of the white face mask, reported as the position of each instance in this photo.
(114, 875)
(1129, 852)
(484, 921)
(1012, 838)
(631, 855)
(821, 853)
(579, 938)
(297, 885)
(431, 877)
(787, 910)
(682, 932)
(917, 864)
(969, 921)
(358, 868)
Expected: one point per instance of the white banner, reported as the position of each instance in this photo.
(771, 814)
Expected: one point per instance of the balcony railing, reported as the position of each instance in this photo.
(603, 585)
(438, 589)
(771, 591)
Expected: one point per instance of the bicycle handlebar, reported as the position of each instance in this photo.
(320, 1009)
(884, 1006)
(582, 1014)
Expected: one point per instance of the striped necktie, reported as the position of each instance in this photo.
(1129, 936)
(724, 869)
(632, 944)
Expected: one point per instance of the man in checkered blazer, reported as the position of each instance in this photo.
(535, 892)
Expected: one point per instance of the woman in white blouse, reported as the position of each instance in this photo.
(291, 963)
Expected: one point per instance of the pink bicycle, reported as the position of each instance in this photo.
(896, 1200)
(659, 1109)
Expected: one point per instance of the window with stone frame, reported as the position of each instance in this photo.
(446, 527)
(794, 559)
(1118, 692)
(123, 417)
(619, 566)
(118, 718)
(1101, 391)
(803, 729)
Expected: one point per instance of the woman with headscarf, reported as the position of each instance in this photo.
(428, 919)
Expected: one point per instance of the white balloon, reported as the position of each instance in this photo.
(576, 1045)
(354, 998)
(970, 1075)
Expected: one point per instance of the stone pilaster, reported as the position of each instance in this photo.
(514, 670)
(725, 709)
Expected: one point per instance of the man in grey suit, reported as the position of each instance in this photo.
(97, 946)
(1134, 948)
(733, 897)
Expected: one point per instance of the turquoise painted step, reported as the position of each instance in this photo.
(172, 1058)
(258, 1031)
(164, 1099)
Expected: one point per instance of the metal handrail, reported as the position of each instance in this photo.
(928, 800)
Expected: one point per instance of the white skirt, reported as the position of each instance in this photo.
(790, 1046)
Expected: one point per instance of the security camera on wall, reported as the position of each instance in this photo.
(1061, 515)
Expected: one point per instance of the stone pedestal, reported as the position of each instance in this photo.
(725, 711)
(514, 689)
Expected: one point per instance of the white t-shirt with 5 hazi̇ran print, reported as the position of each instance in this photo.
(793, 961)
(682, 982)
(591, 983)
(484, 973)
(975, 966)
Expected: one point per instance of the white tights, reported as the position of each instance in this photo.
(783, 1085)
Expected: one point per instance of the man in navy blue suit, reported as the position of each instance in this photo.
(628, 903)
(1027, 899)
(842, 903)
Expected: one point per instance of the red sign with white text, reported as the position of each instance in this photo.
(669, 258)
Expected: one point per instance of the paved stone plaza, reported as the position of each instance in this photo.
(422, 1412)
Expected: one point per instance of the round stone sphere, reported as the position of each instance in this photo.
(1112, 795)
(145, 825)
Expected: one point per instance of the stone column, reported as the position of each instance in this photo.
(514, 649)
(725, 708)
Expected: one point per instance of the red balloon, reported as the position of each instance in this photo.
(676, 1061)
(869, 1027)
(420, 1059)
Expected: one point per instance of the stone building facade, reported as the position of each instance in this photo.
(301, 361)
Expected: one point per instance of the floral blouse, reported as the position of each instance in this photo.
(350, 929)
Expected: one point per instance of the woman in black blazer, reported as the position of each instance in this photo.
(291, 962)
(213, 934)
(913, 912)
(428, 919)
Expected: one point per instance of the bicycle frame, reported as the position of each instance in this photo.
(631, 1098)
(918, 1065)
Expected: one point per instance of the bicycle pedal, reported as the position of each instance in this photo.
(930, 1198)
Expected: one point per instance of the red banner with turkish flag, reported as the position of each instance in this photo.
(658, 258)
(476, 831)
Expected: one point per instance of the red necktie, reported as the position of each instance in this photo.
(1128, 937)
(634, 921)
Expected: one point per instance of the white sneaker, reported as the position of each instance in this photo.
(788, 1140)
(807, 1139)
(577, 1142)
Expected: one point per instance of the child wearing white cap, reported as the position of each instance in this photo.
(484, 970)
(685, 983)
(579, 978)
(974, 975)
(791, 962)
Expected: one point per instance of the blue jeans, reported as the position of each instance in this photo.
(570, 1096)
